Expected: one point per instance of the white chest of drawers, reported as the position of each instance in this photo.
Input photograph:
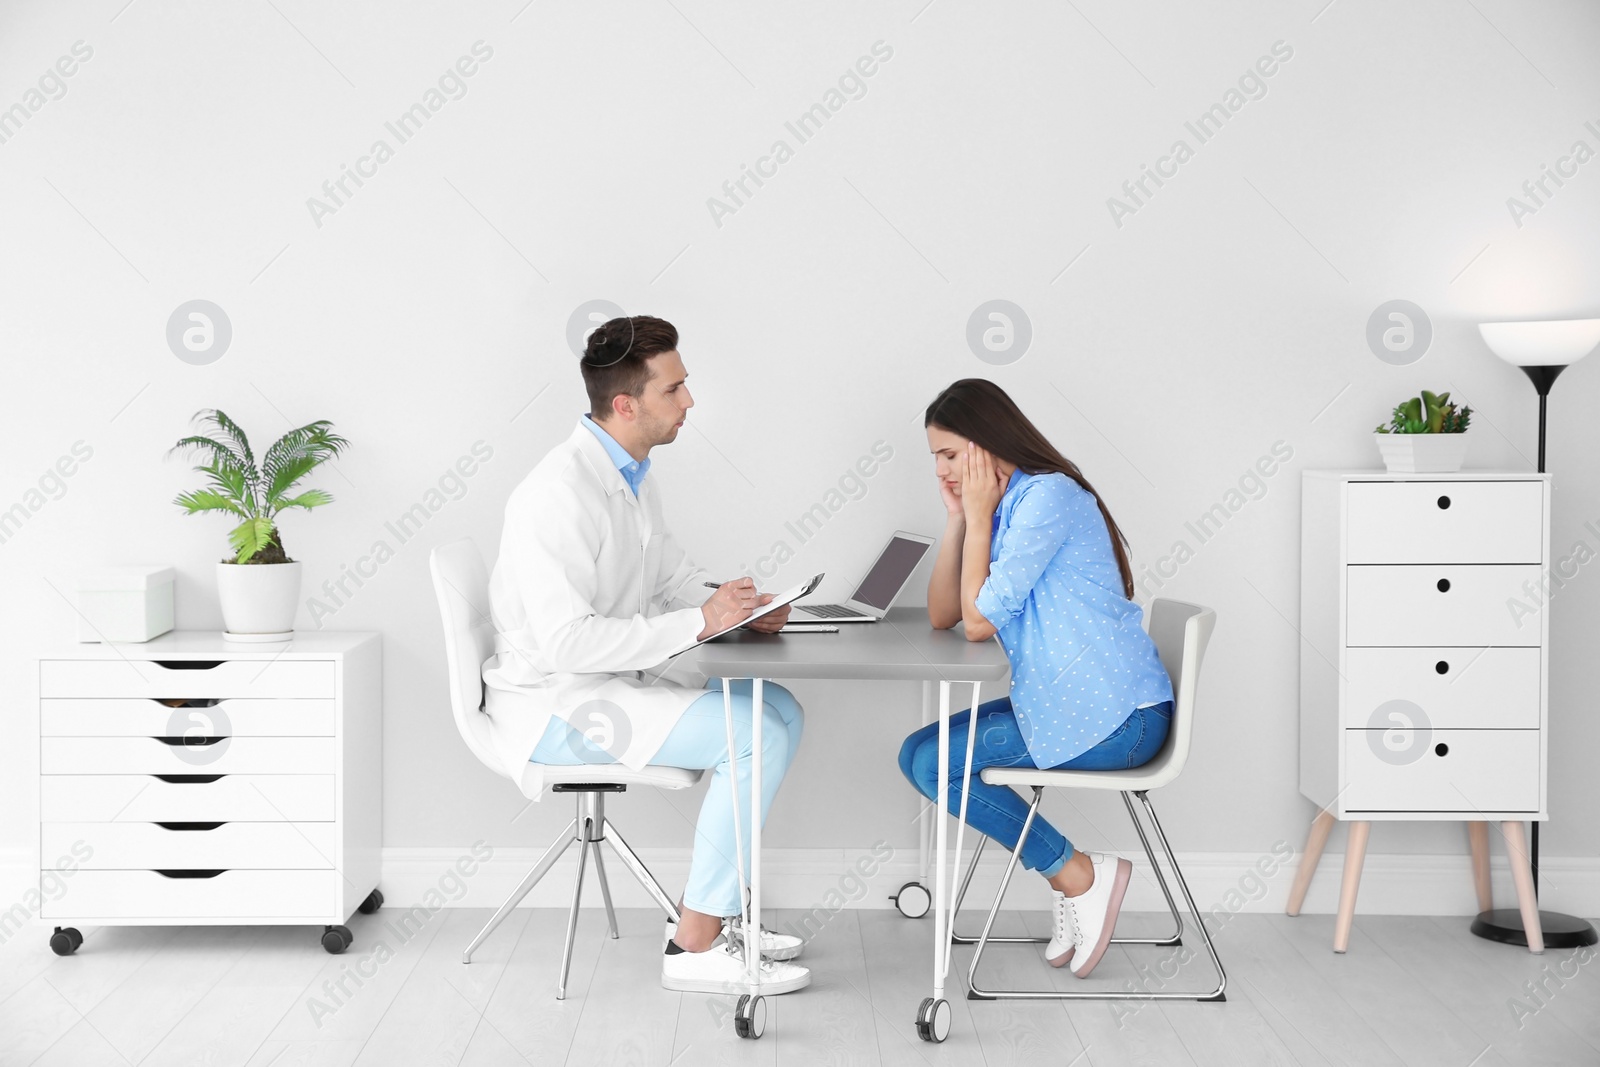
(1423, 656)
(191, 780)
(1422, 690)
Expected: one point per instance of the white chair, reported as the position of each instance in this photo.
(1180, 632)
(462, 585)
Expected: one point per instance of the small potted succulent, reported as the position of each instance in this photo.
(1425, 434)
(259, 585)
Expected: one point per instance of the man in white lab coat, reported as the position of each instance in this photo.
(591, 592)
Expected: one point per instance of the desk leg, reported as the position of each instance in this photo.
(941, 806)
(752, 930)
(927, 815)
(961, 825)
(751, 970)
(933, 1015)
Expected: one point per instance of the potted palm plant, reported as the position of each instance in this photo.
(259, 585)
(1425, 434)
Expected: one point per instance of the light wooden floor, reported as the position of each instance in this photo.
(1410, 991)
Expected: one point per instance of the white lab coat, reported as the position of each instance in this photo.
(589, 589)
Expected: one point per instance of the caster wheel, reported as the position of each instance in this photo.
(373, 902)
(913, 900)
(335, 939)
(750, 1017)
(933, 1020)
(65, 941)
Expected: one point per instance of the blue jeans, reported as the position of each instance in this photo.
(699, 741)
(998, 811)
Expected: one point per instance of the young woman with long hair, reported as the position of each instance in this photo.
(1031, 554)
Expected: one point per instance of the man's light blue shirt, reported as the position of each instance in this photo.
(1080, 661)
(633, 470)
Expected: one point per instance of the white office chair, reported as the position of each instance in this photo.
(462, 586)
(1180, 632)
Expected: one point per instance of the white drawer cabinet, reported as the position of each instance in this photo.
(234, 898)
(1479, 770)
(190, 780)
(1422, 682)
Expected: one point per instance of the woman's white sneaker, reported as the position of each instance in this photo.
(721, 969)
(1065, 923)
(1095, 910)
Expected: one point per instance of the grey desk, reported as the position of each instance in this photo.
(903, 647)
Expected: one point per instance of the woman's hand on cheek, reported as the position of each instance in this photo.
(951, 498)
(981, 487)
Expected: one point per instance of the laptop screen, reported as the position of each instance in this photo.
(883, 582)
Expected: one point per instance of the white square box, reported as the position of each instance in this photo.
(125, 603)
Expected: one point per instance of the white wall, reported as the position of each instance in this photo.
(429, 311)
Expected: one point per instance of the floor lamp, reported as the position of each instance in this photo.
(1543, 350)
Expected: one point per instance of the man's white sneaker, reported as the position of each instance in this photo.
(774, 946)
(721, 969)
(1095, 910)
(1065, 923)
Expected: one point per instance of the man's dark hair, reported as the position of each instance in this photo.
(616, 359)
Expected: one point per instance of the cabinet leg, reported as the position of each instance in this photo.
(1321, 826)
(1522, 875)
(1355, 853)
(1478, 836)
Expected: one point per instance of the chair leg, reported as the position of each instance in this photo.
(1355, 853)
(999, 897)
(557, 848)
(1316, 841)
(961, 891)
(1176, 937)
(572, 916)
(1478, 837)
(605, 888)
(961, 894)
(640, 872)
(1216, 994)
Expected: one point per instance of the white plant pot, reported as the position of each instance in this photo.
(1422, 453)
(258, 599)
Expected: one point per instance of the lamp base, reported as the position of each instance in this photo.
(1560, 931)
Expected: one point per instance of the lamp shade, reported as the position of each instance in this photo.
(1541, 344)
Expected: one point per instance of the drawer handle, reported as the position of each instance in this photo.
(1441, 749)
(187, 702)
(198, 741)
(1444, 502)
(1442, 667)
(1444, 585)
(189, 664)
(189, 873)
(190, 825)
(190, 779)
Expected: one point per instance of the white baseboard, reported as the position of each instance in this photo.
(1391, 884)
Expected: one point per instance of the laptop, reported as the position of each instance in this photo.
(877, 592)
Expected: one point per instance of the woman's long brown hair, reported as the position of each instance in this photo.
(982, 412)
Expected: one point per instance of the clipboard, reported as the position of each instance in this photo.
(789, 596)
